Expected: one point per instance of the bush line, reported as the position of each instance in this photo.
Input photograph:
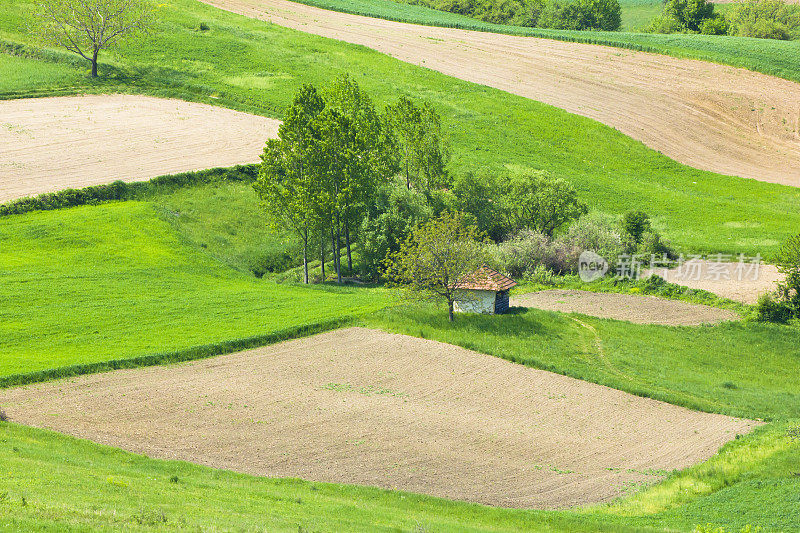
(120, 190)
(179, 356)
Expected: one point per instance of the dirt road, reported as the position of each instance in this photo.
(372, 408)
(49, 144)
(708, 116)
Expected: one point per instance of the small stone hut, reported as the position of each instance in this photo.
(484, 291)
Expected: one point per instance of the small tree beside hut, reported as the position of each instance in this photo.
(436, 257)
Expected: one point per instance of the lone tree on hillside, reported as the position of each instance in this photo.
(85, 27)
(435, 257)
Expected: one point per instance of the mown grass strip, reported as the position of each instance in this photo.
(178, 356)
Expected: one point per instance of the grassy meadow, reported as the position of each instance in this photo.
(117, 281)
(255, 66)
(170, 276)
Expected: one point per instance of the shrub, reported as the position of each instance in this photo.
(716, 25)
(690, 13)
(664, 23)
(271, 263)
(542, 276)
(635, 224)
(597, 233)
(581, 15)
(520, 255)
(388, 221)
(682, 16)
(651, 244)
(765, 19)
(770, 310)
(788, 261)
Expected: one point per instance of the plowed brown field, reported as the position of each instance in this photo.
(49, 144)
(368, 407)
(705, 115)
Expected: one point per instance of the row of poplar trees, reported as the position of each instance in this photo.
(333, 151)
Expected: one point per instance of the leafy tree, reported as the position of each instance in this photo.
(423, 149)
(688, 16)
(435, 257)
(288, 181)
(391, 215)
(788, 261)
(581, 15)
(86, 27)
(635, 224)
(765, 19)
(690, 13)
(478, 195)
(538, 201)
(371, 154)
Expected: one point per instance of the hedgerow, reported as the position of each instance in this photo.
(120, 190)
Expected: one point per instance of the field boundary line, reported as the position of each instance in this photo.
(179, 356)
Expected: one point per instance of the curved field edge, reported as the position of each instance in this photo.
(254, 66)
(707, 368)
(768, 56)
(56, 482)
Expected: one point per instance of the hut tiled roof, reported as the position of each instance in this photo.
(486, 279)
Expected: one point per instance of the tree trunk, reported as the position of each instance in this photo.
(335, 255)
(450, 309)
(305, 258)
(322, 255)
(347, 241)
(94, 63)
(338, 251)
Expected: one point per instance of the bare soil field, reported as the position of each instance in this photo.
(49, 144)
(724, 279)
(630, 307)
(372, 408)
(708, 116)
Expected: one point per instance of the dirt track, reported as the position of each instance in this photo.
(367, 407)
(708, 116)
(743, 283)
(630, 307)
(49, 144)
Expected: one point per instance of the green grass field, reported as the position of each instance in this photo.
(171, 272)
(254, 66)
(116, 281)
